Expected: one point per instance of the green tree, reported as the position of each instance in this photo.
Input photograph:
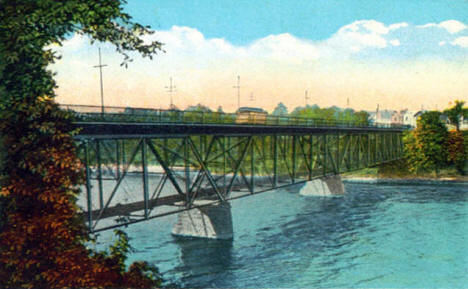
(426, 146)
(280, 110)
(456, 112)
(42, 239)
(361, 117)
(456, 151)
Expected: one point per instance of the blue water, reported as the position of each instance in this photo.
(375, 236)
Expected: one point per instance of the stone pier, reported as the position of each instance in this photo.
(324, 186)
(211, 221)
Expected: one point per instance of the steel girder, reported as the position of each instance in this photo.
(135, 179)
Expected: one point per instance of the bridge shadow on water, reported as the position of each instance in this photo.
(203, 261)
(289, 240)
(323, 232)
(321, 229)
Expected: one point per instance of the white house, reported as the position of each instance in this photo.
(409, 117)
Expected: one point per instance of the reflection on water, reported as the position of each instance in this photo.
(203, 259)
(374, 236)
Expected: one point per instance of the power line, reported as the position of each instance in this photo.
(252, 97)
(100, 73)
(238, 91)
(170, 89)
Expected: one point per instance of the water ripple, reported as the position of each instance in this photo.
(375, 236)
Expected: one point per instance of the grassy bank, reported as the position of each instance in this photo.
(399, 170)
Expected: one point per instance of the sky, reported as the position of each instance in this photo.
(396, 54)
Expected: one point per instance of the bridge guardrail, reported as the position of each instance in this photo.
(131, 114)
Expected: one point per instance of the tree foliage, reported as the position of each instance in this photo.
(456, 151)
(456, 112)
(280, 110)
(42, 239)
(425, 147)
(332, 114)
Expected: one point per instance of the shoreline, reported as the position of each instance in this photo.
(405, 180)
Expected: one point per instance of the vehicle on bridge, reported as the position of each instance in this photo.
(251, 115)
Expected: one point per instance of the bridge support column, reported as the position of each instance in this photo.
(211, 222)
(324, 186)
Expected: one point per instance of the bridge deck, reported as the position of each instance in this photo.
(107, 130)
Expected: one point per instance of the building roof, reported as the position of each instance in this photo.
(251, 109)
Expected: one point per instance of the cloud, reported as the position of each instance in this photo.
(359, 35)
(395, 42)
(452, 26)
(398, 26)
(368, 60)
(461, 41)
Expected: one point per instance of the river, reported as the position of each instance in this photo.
(376, 235)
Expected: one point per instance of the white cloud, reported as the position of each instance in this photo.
(395, 42)
(461, 41)
(283, 47)
(185, 45)
(369, 26)
(357, 36)
(452, 26)
(205, 67)
(398, 26)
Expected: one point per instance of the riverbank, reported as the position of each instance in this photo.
(374, 175)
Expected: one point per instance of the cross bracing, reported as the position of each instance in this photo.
(132, 176)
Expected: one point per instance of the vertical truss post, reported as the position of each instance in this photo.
(294, 158)
(117, 157)
(338, 161)
(99, 168)
(368, 150)
(252, 166)
(124, 155)
(324, 156)
(400, 145)
(187, 169)
(350, 148)
(392, 145)
(311, 155)
(144, 164)
(385, 147)
(359, 150)
(376, 159)
(88, 187)
(275, 161)
(224, 166)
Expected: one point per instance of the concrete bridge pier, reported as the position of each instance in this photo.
(210, 221)
(323, 186)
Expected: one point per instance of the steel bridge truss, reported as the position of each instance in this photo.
(129, 180)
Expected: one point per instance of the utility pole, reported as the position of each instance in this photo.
(306, 97)
(170, 89)
(100, 73)
(252, 97)
(238, 91)
(347, 102)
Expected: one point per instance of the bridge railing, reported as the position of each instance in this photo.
(131, 114)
